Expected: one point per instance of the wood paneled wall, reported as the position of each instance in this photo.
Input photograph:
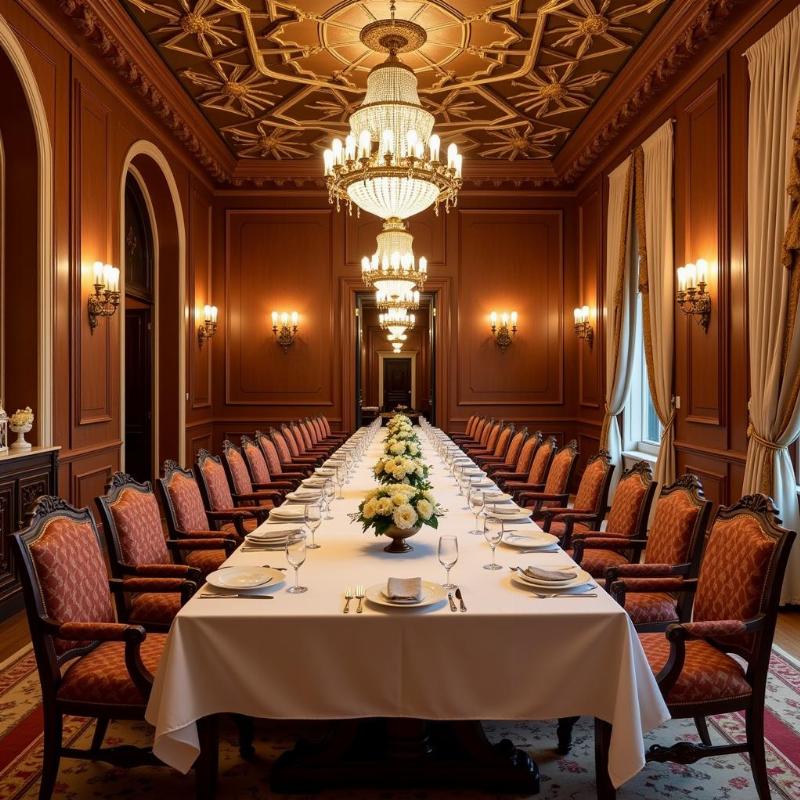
(93, 124)
(709, 109)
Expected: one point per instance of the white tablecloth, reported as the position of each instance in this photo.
(510, 657)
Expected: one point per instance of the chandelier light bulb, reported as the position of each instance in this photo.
(336, 148)
(350, 148)
(434, 143)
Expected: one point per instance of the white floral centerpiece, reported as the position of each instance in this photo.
(402, 470)
(398, 510)
(402, 447)
(21, 422)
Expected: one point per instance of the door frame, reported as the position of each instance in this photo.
(390, 354)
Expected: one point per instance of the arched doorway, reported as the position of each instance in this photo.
(27, 176)
(153, 243)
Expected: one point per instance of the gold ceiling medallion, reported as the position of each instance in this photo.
(393, 36)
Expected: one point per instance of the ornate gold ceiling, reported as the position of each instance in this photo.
(506, 80)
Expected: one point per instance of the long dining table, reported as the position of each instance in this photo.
(510, 656)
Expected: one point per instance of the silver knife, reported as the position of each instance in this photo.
(461, 599)
(451, 601)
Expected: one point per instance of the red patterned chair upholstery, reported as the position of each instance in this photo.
(554, 491)
(626, 524)
(501, 443)
(734, 611)
(217, 496)
(508, 459)
(589, 507)
(288, 461)
(520, 471)
(259, 470)
(305, 445)
(272, 457)
(137, 546)
(673, 548)
(89, 664)
(331, 434)
(297, 445)
(243, 489)
(187, 516)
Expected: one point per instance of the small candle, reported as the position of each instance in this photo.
(576, 313)
(702, 270)
(295, 319)
(350, 147)
(214, 312)
(98, 272)
(207, 313)
(493, 318)
(416, 298)
(364, 144)
(365, 264)
(336, 148)
(327, 158)
(585, 314)
(434, 143)
(419, 149)
(504, 319)
(514, 319)
(411, 141)
(681, 279)
(691, 276)
(457, 163)
(274, 319)
(284, 319)
(451, 155)
(423, 264)
(388, 142)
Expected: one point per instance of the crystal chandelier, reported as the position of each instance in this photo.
(396, 321)
(390, 165)
(393, 270)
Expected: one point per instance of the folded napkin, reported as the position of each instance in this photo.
(274, 530)
(305, 493)
(313, 482)
(288, 511)
(404, 589)
(550, 574)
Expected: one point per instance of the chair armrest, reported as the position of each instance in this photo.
(523, 486)
(207, 534)
(162, 571)
(226, 543)
(605, 535)
(646, 571)
(620, 589)
(185, 588)
(97, 631)
(537, 498)
(251, 496)
(679, 632)
(274, 485)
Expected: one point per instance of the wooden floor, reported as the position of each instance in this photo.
(14, 634)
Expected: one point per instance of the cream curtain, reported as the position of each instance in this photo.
(620, 307)
(653, 181)
(774, 64)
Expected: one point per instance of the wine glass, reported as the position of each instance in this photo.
(328, 493)
(340, 478)
(448, 555)
(296, 556)
(313, 519)
(493, 533)
(477, 501)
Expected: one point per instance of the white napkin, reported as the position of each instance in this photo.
(288, 511)
(404, 589)
(314, 482)
(550, 574)
(304, 493)
(274, 530)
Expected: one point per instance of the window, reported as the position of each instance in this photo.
(642, 426)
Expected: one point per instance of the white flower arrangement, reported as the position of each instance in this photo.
(401, 447)
(400, 469)
(21, 418)
(400, 505)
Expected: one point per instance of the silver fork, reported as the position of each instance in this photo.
(558, 594)
(360, 595)
(348, 593)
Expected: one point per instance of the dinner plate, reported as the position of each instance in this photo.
(496, 496)
(243, 577)
(304, 495)
(581, 577)
(484, 483)
(314, 482)
(326, 472)
(473, 472)
(534, 540)
(431, 593)
(510, 515)
(288, 511)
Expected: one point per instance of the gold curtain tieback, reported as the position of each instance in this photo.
(751, 434)
(670, 423)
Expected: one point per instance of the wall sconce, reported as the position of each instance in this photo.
(502, 335)
(583, 328)
(284, 334)
(208, 329)
(692, 297)
(105, 300)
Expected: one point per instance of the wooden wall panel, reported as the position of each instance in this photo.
(522, 251)
(283, 261)
(200, 294)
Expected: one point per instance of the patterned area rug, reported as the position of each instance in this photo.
(565, 778)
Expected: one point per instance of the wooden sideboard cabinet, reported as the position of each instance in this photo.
(24, 476)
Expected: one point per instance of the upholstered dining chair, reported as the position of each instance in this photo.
(90, 664)
(259, 469)
(501, 443)
(673, 547)
(288, 461)
(469, 429)
(311, 438)
(555, 489)
(217, 496)
(734, 611)
(510, 455)
(186, 513)
(331, 434)
(297, 445)
(475, 437)
(488, 441)
(243, 490)
(501, 473)
(626, 523)
(590, 500)
(273, 459)
(136, 546)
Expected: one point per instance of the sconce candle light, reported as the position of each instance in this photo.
(209, 326)
(284, 333)
(105, 300)
(583, 328)
(692, 297)
(502, 334)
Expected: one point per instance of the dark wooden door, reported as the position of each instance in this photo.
(396, 382)
(138, 393)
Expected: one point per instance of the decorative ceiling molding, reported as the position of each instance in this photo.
(514, 151)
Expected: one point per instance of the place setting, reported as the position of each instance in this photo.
(241, 582)
(567, 581)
